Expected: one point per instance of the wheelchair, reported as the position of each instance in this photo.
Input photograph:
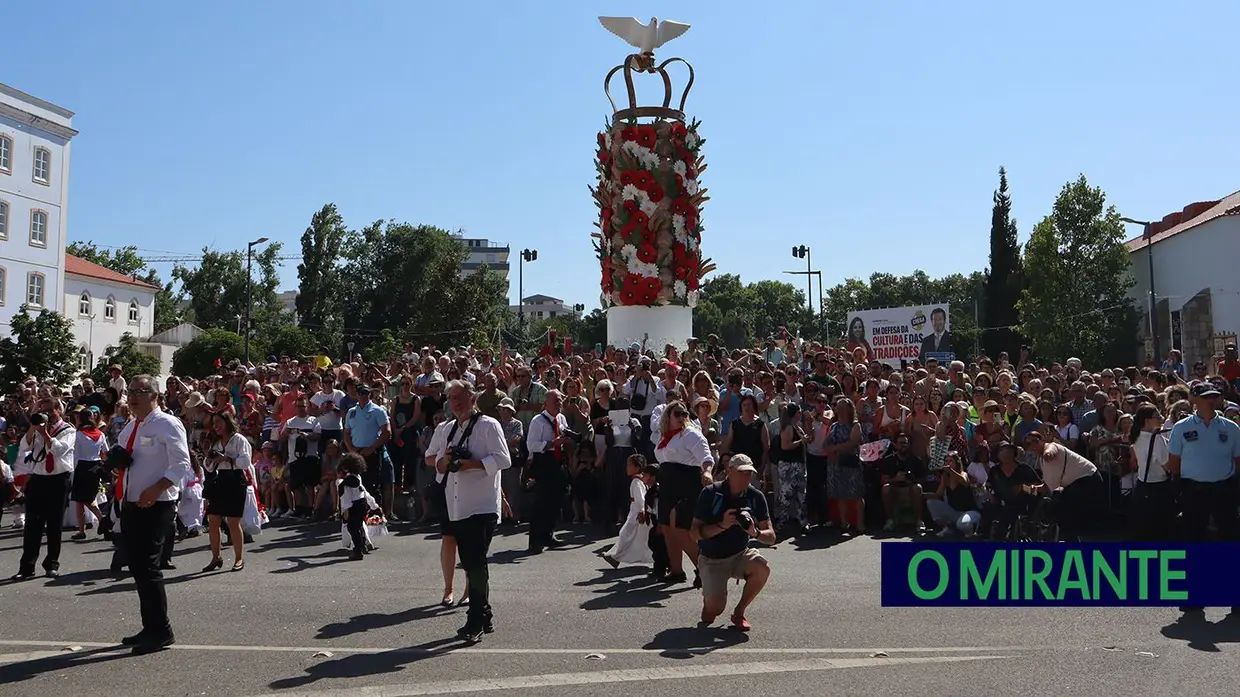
(1035, 523)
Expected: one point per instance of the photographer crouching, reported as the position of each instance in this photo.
(468, 452)
(727, 515)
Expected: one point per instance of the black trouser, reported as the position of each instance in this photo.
(1000, 517)
(548, 474)
(170, 538)
(815, 488)
(658, 549)
(1078, 506)
(357, 525)
(1201, 500)
(143, 531)
(1151, 512)
(473, 544)
(47, 495)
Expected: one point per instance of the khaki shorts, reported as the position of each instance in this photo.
(716, 573)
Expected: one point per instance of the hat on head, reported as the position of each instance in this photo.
(506, 403)
(435, 381)
(990, 404)
(363, 388)
(193, 400)
(115, 367)
(741, 463)
(1206, 389)
(635, 346)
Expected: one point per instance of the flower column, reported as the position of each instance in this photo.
(650, 230)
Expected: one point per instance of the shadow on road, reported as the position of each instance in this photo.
(25, 670)
(687, 642)
(359, 665)
(331, 557)
(1202, 634)
(629, 588)
(365, 623)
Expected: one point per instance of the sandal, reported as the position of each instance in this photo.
(740, 623)
(447, 599)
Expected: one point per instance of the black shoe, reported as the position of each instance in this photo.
(356, 556)
(471, 632)
(553, 543)
(488, 627)
(151, 645)
(678, 577)
(78, 537)
(52, 573)
(534, 549)
(168, 566)
(136, 639)
(22, 575)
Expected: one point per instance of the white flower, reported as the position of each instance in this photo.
(643, 269)
(693, 298)
(678, 225)
(691, 186)
(632, 193)
(649, 160)
(607, 141)
(629, 252)
(647, 206)
(679, 289)
(691, 140)
(680, 168)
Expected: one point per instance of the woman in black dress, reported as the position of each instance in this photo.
(227, 464)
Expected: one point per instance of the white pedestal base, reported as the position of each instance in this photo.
(656, 326)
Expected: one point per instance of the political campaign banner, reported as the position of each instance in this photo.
(896, 334)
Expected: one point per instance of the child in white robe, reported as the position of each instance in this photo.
(633, 547)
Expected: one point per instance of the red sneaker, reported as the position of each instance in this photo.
(739, 622)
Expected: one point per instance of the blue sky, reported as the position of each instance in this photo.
(872, 132)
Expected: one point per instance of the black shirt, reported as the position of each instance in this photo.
(711, 505)
(912, 467)
(1005, 485)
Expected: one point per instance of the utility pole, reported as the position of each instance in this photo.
(249, 292)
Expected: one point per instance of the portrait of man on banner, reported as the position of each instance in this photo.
(939, 340)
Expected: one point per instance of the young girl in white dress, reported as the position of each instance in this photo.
(633, 546)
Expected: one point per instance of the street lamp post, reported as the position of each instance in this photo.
(1149, 256)
(249, 292)
(526, 255)
(802, 252)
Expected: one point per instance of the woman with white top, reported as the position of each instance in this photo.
(89, 449)
(1152, 512)
(685, 465)
(228, 467)
(1073, 480)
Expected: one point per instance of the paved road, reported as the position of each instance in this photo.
(302, 620)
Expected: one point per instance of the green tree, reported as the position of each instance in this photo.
(197, 358)
(1075, 301)
(319, 300)
(129, 357)
(40, 347)
(383, 347)
(290, 340)
(127, 261)
(216, 290)
(1003, 277)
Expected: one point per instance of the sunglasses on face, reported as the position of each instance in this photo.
(681, 414)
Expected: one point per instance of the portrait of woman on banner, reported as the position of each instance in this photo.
(856, 338)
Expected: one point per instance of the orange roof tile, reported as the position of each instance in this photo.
(80, 267)
(1193, 215)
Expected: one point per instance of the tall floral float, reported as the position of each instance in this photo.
(649, 196)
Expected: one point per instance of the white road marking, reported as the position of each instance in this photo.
(445, 687)
(459, 648)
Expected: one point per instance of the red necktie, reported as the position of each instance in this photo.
(51, 459)
(120, 481)
(555, 428)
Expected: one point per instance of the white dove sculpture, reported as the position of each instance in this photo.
(646, 37)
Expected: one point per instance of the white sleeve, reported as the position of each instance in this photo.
(494, 444)
(240, 452)
(539, 437)
(698, 447)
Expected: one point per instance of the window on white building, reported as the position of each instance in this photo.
(84, 359)
(43, 165)
(4, 220)
(6, 154)
(84, 305)
(34, 289)
(4, 276)
(134, 314)
(109, 310)
(38, 228)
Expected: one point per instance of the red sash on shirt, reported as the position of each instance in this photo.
(50, 460)
(668, 438)
(120, 480)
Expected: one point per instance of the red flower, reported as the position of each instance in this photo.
(632, 281)
(643, 180)
(682, 272)
(606, 218)
(628, 133)
(639, 216)
(627, 177)
(655, 192)
(679, 130)
(647, 254)
(631, 206)
(680, 205)
(628, 227)
(690, 172)
(680, 254)
(646, 136)
(629, 296)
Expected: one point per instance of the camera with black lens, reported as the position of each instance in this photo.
(573, 436)
(744, 518)
(457, 454)
(38, 419)
(118, 458)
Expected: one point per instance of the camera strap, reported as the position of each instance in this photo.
(469, 429)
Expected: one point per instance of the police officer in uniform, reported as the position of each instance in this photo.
(1204, 451)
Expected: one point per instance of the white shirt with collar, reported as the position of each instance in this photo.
(654, 395)
(61, 448)
(656, 421)
(542, 433)
(689, 447)
(160, 451)
(477, 491)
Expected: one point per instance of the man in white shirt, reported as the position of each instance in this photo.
(48, 447)
(468, 452)
(303, 432)
(548, 444)
(326, 402)
(147, 493)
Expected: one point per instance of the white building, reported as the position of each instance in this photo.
(105, 305)
(1193, 251)
(484, 252)
(542, 307)
(34, 199)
